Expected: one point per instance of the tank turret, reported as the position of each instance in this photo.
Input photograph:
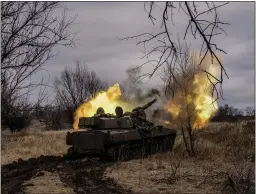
(139, 112)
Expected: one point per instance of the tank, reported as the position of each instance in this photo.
(120, 136)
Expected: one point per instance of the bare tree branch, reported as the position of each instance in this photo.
(203, 22)
(29, 32)
(73, 87)
(188, 93)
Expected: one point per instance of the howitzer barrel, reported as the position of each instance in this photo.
(149, 104)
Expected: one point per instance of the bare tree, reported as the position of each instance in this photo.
(250, 111)
(51, 115)
(185, 105)
(29, 32)
(228, 110)
(182, 84)
(73, 87)
(237, 112)
(203, 22)
(15, 111)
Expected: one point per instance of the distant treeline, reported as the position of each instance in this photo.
(225, 113)
(228, 113)
(230, 118)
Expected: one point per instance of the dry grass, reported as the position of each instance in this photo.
(227, 141)
(31, 143)
(169, 173)
(224, 162)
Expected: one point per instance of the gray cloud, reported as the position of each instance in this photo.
(99, 24)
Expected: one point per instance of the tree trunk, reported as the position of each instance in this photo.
(185, 141)
(191, 141)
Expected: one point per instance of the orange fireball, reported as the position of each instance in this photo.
(195, 100)
(108, 100)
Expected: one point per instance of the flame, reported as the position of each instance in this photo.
(108, 100)
(205, 105)
(167, 122)
(197, 102)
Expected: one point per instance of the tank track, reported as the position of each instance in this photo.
(132, 149)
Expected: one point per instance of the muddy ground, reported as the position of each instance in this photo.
(59, 175)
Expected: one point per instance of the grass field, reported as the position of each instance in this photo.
(224, 162)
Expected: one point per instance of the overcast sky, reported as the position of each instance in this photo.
(99, 24)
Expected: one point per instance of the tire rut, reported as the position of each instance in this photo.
(82, 175)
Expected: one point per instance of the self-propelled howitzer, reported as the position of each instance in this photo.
(121, 135)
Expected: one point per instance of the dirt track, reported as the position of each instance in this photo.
(81, 176)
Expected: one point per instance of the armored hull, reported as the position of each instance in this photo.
(119, 137)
